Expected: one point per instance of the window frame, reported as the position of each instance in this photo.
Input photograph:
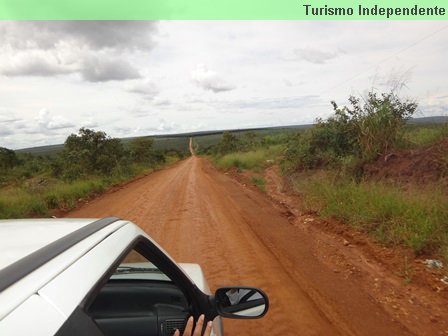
(198, 301)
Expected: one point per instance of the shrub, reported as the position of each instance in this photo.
(379, 121)
(361, 132)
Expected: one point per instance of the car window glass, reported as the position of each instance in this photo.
(136, 267)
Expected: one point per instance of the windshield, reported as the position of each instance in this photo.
(139, 271)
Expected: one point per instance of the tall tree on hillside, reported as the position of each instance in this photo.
(8, 158)
(229, 143)
(90, 152)
(141, 150)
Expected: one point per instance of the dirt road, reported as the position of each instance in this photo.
(239, 236)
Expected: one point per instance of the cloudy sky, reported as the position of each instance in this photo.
(141, 78)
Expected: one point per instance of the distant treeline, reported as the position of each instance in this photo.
(90, 162)
(87, 153)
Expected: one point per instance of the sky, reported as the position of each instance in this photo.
(132, 78)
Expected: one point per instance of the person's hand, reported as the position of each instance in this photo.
(197, 331)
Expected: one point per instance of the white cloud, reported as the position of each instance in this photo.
(49, 122)
(94, 49)
(91, 67)
(89, 123)
(160, 101)
(314, 55)
(165, 126)
(4, 131)
(144, 87)
(91, 34)
(6, 116)
(210, 80)
(102, 70)
(34, 65)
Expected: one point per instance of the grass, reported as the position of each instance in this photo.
(25, 202)
(30, 199)
(67, 195)
(255, 160)
(421, 136)
(259, 182)
(15, 205)
(414, 218)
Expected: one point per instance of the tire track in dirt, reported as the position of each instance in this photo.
(239, 238)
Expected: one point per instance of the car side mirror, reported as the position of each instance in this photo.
(241, 302)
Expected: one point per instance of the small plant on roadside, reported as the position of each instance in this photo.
(259, 182)
(408, 271)
(255, 160)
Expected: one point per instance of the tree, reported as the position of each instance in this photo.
(8, 158)
(141, 150)
(229, 143)
(90, 152)
(249, 141)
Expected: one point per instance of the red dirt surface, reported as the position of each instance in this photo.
(413, 165)
(318, 283)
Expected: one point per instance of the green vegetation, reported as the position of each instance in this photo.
(177, 143)
(422, 136)
(212, 144)
(29, 200)
(326, 165)
(259, 182)
(414, 217)
(353, 136)
(36, 197)
(251, 151)
(89, 163)
(256, 160)
(328, 162)
(174, 144)
(89, 152)
(8, 159)
(248, 150)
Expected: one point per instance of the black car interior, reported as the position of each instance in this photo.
(139, 308)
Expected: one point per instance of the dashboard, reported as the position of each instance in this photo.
(139, 308)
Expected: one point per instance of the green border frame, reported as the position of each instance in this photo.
(209, 9)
